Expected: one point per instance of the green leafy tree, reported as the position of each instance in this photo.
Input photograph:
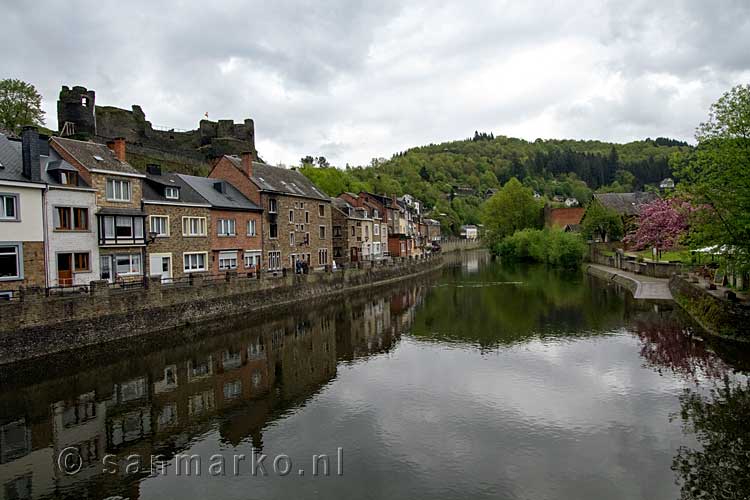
(716, 176)
(20, 105)
(602, 223)
(509, 210)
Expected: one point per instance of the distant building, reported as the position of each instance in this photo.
(469, 232)
(627, 205)
(667, 183)
(490, 193)
(571, 202)
(562, 217)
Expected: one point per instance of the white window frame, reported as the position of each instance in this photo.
(291, 238)
(190, 268)
(252, 229)
(253, 258)
(228, 261)
(19, 259)
(226, 227)
(171, 193)
(187, 224)
(111, 190)
(151, 219)
(273, 205)
(322, 232)
(322, 252)
(3, 207)
(131, 258)
(274, 256)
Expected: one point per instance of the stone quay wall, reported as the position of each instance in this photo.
(715, 314)
(626, 263)
(37, 325)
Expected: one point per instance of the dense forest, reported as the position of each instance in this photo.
(452, 178)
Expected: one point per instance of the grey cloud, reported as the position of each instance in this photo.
(356, 80)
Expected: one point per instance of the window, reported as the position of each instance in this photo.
(321, 210)
(68, 178)
(123, 227)
(307, 238)
(9, 208)
(307, 217)
(81, 262)
(227, 261)
(337, 231)
(251, 229)
(226, 227)
(367, 231)
(291, 216)
(274, 260)
(171, 193)
(323, 256)
(272, 205)
(84, 101)
(376, 230)
(353, 230)
(194, 262)
(159, 224)
(71, 219)
(194, 226)
(10, 262)
(273, 230)
(252, 260)
(291, 239)
(128, 264)
(322, 232)
(118, 190)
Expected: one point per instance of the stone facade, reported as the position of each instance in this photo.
(240, 243)
(344, 231)
(176, 244)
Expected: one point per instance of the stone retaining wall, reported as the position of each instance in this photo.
(38, 326)
(718, 316)
(647, 268)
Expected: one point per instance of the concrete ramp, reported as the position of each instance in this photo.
(642, 287)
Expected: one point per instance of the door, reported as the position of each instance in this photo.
(161, 265)
(355, 254)
(65, 269)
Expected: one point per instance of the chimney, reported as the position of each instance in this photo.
(118, 147)
(153, 169)
(247, 163)
(32, 168)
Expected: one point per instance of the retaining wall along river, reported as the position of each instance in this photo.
(41, 325)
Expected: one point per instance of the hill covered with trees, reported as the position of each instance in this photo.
(451, 178)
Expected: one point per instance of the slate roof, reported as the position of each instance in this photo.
(231, 199)
(281, 180)
(11, 160)
(625, 203)
(88, 154)
(153, 189)
(55, 162)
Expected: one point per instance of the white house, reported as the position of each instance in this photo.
(72, 249)
(470, 232)
(21, 220)
(571, 202)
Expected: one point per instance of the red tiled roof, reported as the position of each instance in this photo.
(561, 217)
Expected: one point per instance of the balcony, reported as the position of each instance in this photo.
(121, 227)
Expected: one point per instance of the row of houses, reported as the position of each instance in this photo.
(73, 211)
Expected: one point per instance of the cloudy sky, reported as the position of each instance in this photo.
(356, 80)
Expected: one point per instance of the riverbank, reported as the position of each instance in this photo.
(40, 326)
(642, 287)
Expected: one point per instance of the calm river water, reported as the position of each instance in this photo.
(482, 381)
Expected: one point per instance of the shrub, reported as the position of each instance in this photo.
(548, 246)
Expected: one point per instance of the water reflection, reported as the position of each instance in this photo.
(494, 381)
(238, 383)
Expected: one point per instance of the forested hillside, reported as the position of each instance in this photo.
(451, 178)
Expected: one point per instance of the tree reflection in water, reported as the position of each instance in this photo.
(721, 469)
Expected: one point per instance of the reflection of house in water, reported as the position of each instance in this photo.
(158, 403)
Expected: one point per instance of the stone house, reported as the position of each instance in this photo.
(179, 221)
(72, 250)
(235, 229)
(296, 222)
(354, 237)
(22, 260)
(433, 230)
(381, 209)
(120, 220)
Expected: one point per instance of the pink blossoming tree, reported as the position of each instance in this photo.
(661, 224)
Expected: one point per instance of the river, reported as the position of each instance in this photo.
(483, 381)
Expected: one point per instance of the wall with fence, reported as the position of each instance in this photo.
(37, 323)
(458, 244)
(616, 258)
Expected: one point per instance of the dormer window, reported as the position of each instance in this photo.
(171, 193)
(69, 178)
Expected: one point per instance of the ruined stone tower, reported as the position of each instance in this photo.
(75, 112)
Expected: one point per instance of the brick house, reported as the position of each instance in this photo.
(235, 228)
(120, 220)
(179, 219)
(21, 220)
(296, 221)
